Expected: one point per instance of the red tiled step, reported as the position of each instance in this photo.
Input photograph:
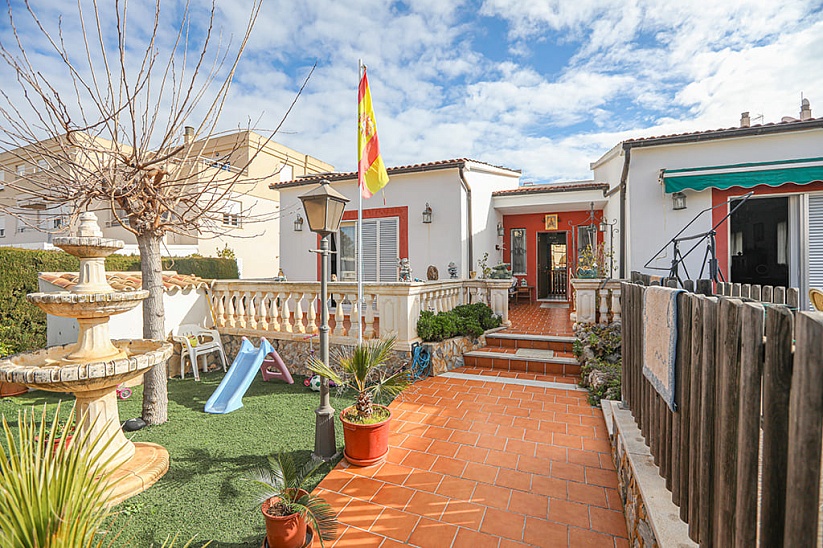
(508, 359)
(503, 339)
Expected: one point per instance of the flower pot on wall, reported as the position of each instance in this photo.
(284, 531)
(587, 273)
(366, 444)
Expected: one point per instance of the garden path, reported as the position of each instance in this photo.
(480, 458)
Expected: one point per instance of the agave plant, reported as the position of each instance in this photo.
(363, 369)
(54, 492)
(283, 479)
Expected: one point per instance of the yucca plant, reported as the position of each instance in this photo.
(285, 481)
(363, 369)
(53, 492)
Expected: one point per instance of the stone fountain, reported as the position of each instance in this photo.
(94, 366)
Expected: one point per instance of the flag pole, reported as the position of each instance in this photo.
(360, 181)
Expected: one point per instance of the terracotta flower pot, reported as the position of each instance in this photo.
(286, 531)
(366, 444)
(11, 389)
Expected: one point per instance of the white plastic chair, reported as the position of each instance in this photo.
(197, 341)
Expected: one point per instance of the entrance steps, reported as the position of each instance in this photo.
(526, 353)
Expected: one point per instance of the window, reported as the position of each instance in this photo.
(2, 179)
(518, 243)
(380, 250)
(231, 213)
(42, 165)
(20, 169)
(2, 226)
(585, 237)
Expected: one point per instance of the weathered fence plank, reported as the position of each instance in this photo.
(748, 435)
(707, 413)
(777, 379)
(695, 415)
(680, 419)
(805, 432)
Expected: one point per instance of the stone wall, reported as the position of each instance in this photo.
(448, 354)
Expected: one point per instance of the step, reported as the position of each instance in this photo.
(502, 339)
(541, 362)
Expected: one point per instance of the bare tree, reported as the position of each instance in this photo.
(108, 121)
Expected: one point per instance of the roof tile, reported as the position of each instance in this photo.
(553, 187)
(127, 281)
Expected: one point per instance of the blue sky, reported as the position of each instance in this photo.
(545, 86)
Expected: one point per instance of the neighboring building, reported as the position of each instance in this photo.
(255, 244)
(463, 223)
(775, 238)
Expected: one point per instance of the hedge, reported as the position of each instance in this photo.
(467, 319)
(23, 325)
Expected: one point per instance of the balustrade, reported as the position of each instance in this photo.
(596, 301)
(289, 310)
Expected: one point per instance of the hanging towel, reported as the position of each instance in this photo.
(660, 340)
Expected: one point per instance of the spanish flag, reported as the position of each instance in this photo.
(371, 172)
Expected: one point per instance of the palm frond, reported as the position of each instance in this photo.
(320, 516)
(391, 386)
(322, 369)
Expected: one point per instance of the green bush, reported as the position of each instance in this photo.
(23, 325)
(469, 320)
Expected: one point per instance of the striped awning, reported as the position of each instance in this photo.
(800, 171)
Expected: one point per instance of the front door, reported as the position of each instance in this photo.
(552, 273)
(759, 242)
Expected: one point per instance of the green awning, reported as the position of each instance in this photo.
(799, 171)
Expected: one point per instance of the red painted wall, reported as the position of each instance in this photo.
(535, 223)
(721, 196)
(402, 213)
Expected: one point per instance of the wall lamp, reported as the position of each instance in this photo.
(500, 231)
(427, 214)
(678, 201)
(298, 224)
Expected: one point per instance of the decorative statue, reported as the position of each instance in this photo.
(501, 271)
(452, 271)
(405, 270)
(431, 273)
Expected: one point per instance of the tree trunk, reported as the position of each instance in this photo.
(155, 390)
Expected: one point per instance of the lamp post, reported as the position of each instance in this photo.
(324, 211)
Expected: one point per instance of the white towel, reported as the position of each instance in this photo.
(660, 340)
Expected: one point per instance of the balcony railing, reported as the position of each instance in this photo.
(291, 310)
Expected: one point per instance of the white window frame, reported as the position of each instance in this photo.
(381, 258)
(20, 169)
(525, 254)
(2, 226)
(232, 214)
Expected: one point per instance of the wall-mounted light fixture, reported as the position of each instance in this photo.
(427, 214)
(500, 231)
(678, 201)
(298, 223)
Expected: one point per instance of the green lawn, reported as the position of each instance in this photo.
(203, 494)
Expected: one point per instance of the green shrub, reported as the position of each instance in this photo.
(469, 320)
(23, 325)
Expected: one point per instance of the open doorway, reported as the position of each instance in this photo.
(552, 272)
(759, 242)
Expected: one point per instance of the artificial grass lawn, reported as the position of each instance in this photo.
(203, 493)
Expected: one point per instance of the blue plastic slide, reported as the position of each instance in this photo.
(229, 395)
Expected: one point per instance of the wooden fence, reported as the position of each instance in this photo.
(746, 437)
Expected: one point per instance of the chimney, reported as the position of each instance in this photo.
(805, 110)
(745, 121)
(188, 135)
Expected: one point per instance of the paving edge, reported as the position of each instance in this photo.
(509, 380)
(529, 337)
(647, 503)
(506, 355)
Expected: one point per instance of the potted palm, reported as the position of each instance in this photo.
(288, 508)
(364, 369)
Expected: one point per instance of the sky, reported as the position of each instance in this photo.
(543, 86)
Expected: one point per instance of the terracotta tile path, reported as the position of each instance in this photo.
(477, 464)
(535, 320)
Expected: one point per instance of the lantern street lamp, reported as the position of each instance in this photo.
(324, 211)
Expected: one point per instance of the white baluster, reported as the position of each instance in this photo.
(338, 315)
(354, 317)
(274, 311)
(241, 309)
(604, 305)
(220, 320)
(285, 313)
(251, 311)
(263, 311)
(298, 313)
(232, 297)
(369, 332)
(312, 312)
(616, 309)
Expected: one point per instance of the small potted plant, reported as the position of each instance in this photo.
(364, 369)
(288, 507)
(587, 263)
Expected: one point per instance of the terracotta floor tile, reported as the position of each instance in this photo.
(492, 496)
(570, 513)
(613, 498)
(437, 433)
(513, 479)
(529, 504)
(424, 480)
(584, 458)
(418, 460)
(472, 454)
(608, 521)
(464, 514)
(432, 534)
(427, 504)
(444, 448)
(456, 488)
(395, 524)
(473, 539)
(359, 513)
(481, 427)
(464, 438)
(592, 495)
(357, 538)
(490, 441)
(416, 443)
(336, 480)
(480, 472)
(502, 523)
(540, 532)
(396, 455)
(572, 472)
(585, 538)
(363, 487)
(393, 496)
(389, 543)
(551, 487)
(448, 466)
(604, 478)
(520, 447)
(551, 452)
(394, 473)
(502, 459)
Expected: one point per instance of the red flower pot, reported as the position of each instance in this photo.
(286, 531)
(11, 389)
(366, 444)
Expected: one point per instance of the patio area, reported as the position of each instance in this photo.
(483, 458)
(540, 319)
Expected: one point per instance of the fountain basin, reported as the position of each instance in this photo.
(90, 247)
(87, 305)
(47, 369)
